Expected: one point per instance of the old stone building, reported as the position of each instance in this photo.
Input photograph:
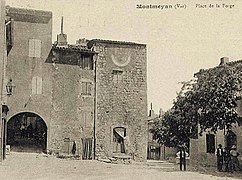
(202, 149)
(87, 99)
(2, 74)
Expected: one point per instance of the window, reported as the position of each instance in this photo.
(35, 48)
(37, 85)
(86, 62)
(9, 34)
(210, 142)
(86, 88)
(119, 135)
(87, 119)
(117, 76)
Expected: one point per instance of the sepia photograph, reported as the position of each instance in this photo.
(121, 90)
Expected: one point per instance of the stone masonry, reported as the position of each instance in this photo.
(118, 99)
(121, 104)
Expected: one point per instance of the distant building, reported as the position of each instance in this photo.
(156, 151)
(87, 99)
(202, 149)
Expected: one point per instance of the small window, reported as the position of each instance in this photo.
(210, 143)
(87, 119)
(37, 85)
(86, 88)
(35, 48)
(86, 62)
(117, 76)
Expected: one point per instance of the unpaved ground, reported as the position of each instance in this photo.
(38, 166)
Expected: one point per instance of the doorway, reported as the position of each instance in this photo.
(119, 134)
(27, 132)
(231, 139)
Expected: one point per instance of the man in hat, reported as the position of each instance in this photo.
(219, 154)
(234, 159)
(182, 156)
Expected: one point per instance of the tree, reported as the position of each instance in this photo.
(176, 126)
(216, 93)
(210, 100)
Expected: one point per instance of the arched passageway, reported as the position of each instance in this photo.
(27, 132)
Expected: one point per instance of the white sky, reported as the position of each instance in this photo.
(179, 42)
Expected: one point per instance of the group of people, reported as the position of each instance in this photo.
(26, 131)
(227, 159)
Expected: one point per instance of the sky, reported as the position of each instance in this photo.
(180, 42)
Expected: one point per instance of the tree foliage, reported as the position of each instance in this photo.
(210, 100)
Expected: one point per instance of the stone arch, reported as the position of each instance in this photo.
(27, 132)
(28, 111)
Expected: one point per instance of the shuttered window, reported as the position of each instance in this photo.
(37, 85)
(86, 88)
(87, 119)
(117, 76)
(86, 63)
(35, 48)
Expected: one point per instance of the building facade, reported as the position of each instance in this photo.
(2, 60)
(87, 99)
(202, 149)
(156, 151)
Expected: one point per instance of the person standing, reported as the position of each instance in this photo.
(73, 151)
(219, 154)
(182, 154)
(226, 156)
(22, 129)
(234, 159)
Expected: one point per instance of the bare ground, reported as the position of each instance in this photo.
(40, 166)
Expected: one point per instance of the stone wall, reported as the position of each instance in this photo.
(199, 156)
(61, 104)
(68, 106)
(21, 69)
(2, 67)
(122, 104)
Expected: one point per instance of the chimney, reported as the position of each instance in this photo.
(62, 38)
(223, 61)
(82, 42)
(151, 113)
(161, 112)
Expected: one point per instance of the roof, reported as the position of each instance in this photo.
(72, 47)
(28, 15)
(114, 42)
(232, 63)
(152, 118)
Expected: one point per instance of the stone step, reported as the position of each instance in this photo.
(160, 163)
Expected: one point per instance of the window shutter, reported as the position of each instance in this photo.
(115, 78)
(39, 85)
(83, 88)
(37, 48)
(86, 63)
(31, 48)
(89, 90)
(34, 82)
(88, 119)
